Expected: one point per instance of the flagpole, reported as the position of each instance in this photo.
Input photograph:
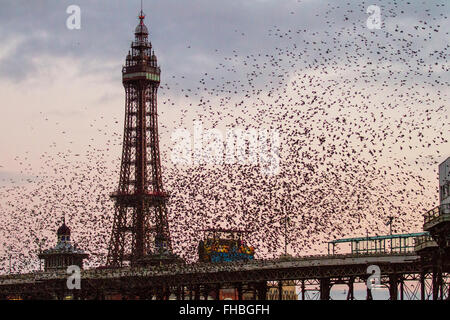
(286, 222)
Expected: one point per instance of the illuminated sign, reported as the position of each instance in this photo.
(220, 250)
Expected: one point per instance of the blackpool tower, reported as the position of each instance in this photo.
(140, 234)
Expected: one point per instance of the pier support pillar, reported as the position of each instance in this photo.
(325, 289)
(393, 287)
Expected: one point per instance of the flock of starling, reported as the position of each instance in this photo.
(363, 121)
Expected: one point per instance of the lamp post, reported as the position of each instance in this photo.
(286, 221)
(40, 243)
(10, 258)
(391, 219)
(286, 205)
(367, 240)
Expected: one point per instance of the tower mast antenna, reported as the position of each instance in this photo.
(142, 15)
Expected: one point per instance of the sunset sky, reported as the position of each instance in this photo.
(62, 107)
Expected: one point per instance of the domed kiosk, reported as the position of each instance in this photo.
(64, 254)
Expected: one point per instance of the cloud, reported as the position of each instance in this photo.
(11, 178)
(39, 28)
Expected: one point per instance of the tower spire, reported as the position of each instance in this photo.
(142, 15)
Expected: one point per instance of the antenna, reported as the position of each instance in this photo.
(142, 15)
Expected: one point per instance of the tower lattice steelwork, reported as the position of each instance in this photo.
(140, 232)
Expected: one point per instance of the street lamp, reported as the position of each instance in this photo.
(286, 206)
(389, 223)
(286, 220)
(40, 243)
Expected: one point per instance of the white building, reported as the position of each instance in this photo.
(444, 182)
